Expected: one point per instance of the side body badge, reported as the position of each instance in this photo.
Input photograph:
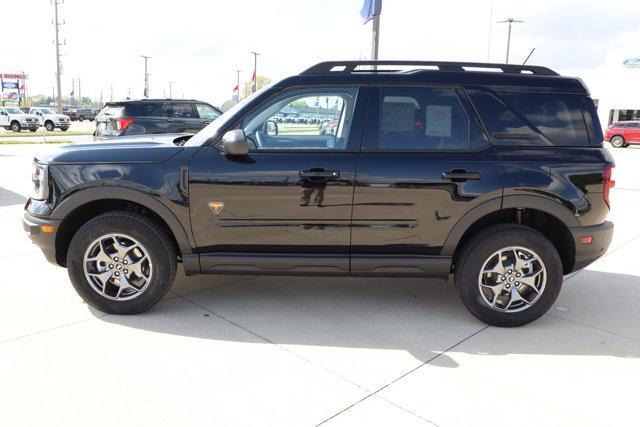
(216, 207)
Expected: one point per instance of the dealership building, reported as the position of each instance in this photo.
(617, 85)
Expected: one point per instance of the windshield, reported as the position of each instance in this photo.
(211, 131)
(46, 111)
(14, 111)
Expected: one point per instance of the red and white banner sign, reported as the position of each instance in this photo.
(21, 76)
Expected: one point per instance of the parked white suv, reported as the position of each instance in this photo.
(50, 119)
(12, 118)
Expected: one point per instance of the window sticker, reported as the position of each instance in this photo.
(397, 116)
(439, 120)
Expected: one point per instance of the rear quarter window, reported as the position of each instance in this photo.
(532, 118)
(146, 110)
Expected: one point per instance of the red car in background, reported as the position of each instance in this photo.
(623, 134)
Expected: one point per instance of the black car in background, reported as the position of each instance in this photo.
(83, 114)
(149, 116)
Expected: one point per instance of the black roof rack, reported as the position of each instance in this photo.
(347, 67)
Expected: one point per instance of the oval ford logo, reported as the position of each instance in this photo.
(632, 63)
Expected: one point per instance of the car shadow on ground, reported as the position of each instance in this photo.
(424, 318)
(8, 198)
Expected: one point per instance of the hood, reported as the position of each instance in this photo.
(61, 116)
(111, 151)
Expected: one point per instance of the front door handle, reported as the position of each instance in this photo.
(460, 175)
(319, 173)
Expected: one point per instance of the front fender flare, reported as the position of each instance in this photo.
(93, 194)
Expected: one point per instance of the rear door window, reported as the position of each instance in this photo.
(183, 111)
(532, 118)
(207, 112)
(422, 119)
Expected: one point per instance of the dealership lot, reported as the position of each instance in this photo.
(301, 351)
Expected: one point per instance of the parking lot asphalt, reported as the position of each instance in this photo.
(234, 350)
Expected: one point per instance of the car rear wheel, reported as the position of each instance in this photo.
(121, 262)
(33, 129)
(81, 118)
(49, 126)
(509, 275)
(64, 128)
(15, 126)
(618, 141)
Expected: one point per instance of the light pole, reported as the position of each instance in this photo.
(146, 76)
(171, 89)
(238, 84)
(254, 87)
(509, 21)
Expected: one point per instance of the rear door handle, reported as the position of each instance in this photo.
(460, 175)
(319, 173)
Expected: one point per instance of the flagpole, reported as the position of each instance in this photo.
(375, 37)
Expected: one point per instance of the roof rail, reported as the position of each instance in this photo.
(347, 67)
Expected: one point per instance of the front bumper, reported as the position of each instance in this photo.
(39, 233)
(600, 239)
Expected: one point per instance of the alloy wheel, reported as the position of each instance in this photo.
(512, 279)
(117, 267)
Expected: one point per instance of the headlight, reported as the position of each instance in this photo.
(40, 180)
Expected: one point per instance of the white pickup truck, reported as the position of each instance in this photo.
(49, 118)
(12, 118)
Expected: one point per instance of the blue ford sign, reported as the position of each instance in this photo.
(632, 63)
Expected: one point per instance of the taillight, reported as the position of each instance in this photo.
(609, 183)
(123, 123)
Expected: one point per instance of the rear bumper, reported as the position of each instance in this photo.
(46, 241)
(587, 253)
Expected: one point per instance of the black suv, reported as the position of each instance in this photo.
(493, 173)
(147, 116)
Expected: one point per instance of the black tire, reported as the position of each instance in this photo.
(81, 118)
(32, 129)
(618, 141)
(480, 247)
(49, 126)
(15, 126)
(142, 228)
(64, 128)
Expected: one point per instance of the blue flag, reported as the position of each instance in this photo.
(370, 8)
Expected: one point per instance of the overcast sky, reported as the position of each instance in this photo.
(198, 43)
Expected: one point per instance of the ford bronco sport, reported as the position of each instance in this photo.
(494, 173)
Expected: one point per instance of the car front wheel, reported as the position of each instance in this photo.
(121, 262)
(618, 141)
(509, 275)
(15, 126)
(49, 126)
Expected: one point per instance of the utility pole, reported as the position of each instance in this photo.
(58, 61)
(73, 89)
(171, 89)
(111, 97)
(509, 21)
(254, 87)
(79, 92)
(129, 92)
(146, 76)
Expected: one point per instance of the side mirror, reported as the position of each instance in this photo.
(235, 143)
(271, 127)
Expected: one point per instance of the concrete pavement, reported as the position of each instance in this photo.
(233, 350)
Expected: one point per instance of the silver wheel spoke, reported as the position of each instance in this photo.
(530, 280)
(103, 278)
(515, 296)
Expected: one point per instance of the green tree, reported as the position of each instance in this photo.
(261, 81)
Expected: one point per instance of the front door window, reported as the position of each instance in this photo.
(312, 119)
